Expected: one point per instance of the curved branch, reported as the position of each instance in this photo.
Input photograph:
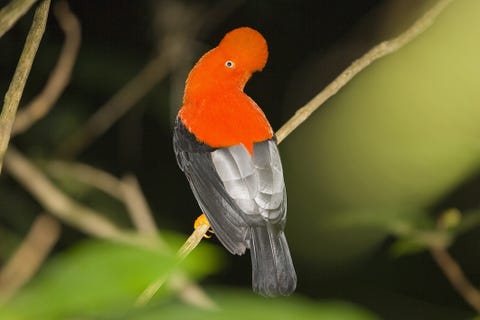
(29, 256)
(60, 76)
(377, 52)
(12, 12)
(452, 271)
(120, 103)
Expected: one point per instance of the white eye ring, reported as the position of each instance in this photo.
(229, 64)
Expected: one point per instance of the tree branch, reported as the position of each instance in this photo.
(191, 243)
(126, 190)
(377, 52)
(137, 206)
(15, 90)
(453, 272)
(59, 204)
(88, 175)
(29, 256)
(60, 75)
(12, 12)
(117, 106)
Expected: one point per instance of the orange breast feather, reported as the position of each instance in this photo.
(227, 119)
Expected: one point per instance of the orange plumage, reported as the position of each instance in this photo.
(215, 107)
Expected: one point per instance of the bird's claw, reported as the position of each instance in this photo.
(203, 221)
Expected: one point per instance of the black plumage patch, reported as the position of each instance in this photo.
(194, 158)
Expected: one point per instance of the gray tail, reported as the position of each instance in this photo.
(273, 273)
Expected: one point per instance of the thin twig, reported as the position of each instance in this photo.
(377, 52)
(191, 243)
(59, 204)
(117, 106)
(60, 75)
(88, 175)
(190, 292)
(137, 206)
(126, 190)
(457, 278)
(15, 90)
(29, 256)
(13, 11)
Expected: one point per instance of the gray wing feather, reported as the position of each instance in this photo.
(194, 158)
(273, 272)
(255, 183)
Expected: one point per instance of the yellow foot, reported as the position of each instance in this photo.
(202, 221)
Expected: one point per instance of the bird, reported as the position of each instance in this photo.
(227, 149)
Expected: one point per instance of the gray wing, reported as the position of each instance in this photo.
(255, 182)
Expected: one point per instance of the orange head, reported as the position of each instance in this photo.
(228, 66)
(246, 48)
(215, 108)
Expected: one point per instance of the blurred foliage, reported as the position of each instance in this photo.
(239, 305)
(98, 279)
(95, 277)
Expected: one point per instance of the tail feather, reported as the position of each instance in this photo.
(273, 273)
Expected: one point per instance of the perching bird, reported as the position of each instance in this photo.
(227, 149)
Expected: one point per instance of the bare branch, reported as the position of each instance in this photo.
(59, 204)
(117, 106)
(137, 206)
(12, 12)
(88, 175)
(189, 245)
(191, 293)
(456, 277)
(126, 190)
(192, 242)
(60, 75)
(358, 65)
(15, 90)
(29, 256)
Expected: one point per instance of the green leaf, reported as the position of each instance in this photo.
(95, 277)
(406, 246)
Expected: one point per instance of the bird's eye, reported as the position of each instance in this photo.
(229, 64)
